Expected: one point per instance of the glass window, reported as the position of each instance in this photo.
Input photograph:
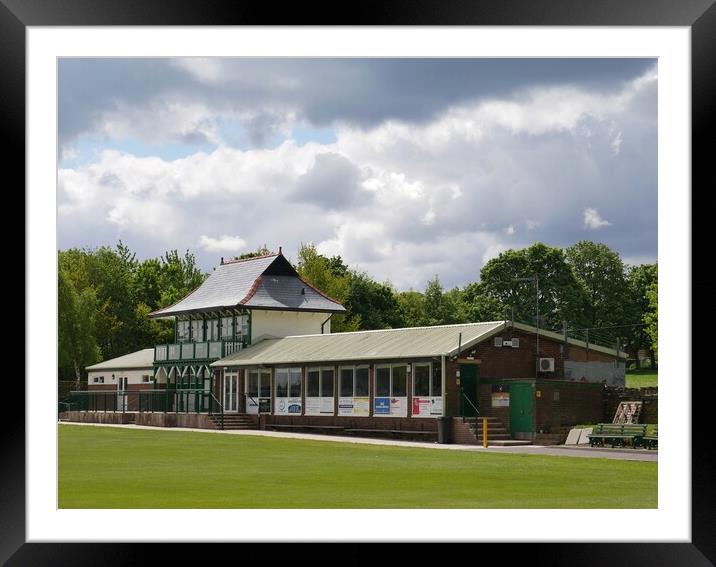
(361, 389)
(212, 330)
(182, 331)
(294, 382)
(437, 389)
(346, 387)
(265, 384)
(421, 380)
(382, 381)
(312, 383)
(197, 330)
(400, 381)
(252, 384)
(327, 383)
(282, 383)
(227, 327)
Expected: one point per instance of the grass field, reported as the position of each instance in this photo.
(107, 467)
(644, 378)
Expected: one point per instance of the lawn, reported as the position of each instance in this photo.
(108, 467)
(644, 378)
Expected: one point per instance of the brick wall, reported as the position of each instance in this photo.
(563, 404)
(648, 397)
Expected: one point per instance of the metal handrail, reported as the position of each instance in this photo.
(221, 415)
(464, 399)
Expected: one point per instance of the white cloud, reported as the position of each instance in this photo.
(593, 221)
(224, 243)
(443, 196)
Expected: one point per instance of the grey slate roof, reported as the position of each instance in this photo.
(251, 283)
(409, 343)
(140, 359)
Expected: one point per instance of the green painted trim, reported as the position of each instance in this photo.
(250, 324)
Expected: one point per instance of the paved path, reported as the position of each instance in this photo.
(556, 450)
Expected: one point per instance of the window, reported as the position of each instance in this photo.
(98, 380)
(391, 389)
(288, 391)
(146, 378)
(258, 391)
(319, 391)
(421, 380)
(382, 381)
(182, 331)
(242, 325)
(212, 330)
(281, 383)
(361, 381)
(313, 383)
(197, 330)
(227, 327)
(400, 381)
(427, 390)
(345, 389)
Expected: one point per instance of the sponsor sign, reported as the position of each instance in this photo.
(427, 406)
(382, 406)
(500, 399)
(286, 406)
(319, 406)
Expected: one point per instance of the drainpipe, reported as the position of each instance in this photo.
(326, 321)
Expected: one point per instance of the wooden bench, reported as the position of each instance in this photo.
(652, 441)
(616, 434)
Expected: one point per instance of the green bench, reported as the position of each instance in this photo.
(616, 434)
(652, 441)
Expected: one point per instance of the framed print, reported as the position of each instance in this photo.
(143, 53)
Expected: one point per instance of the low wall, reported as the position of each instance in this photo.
(98, 417)
(395, 423)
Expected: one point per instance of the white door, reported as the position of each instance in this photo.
(122, 394)
(231, 392)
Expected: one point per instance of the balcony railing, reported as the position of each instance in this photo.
(207, 350)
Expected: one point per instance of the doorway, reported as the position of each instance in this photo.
(230, 390)
(122, 393)
(521, 409)
(469, 380)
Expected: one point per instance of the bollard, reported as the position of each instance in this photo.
(484, 432)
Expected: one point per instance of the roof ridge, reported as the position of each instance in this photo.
(395, 329)
(240, 260)
(252, 290)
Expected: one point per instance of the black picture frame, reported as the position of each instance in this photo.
(698, 15)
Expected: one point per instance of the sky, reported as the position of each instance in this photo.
(406, 168)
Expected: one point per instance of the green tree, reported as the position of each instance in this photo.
(410, 304)
(562, 297)
(651, 317)
(375, 303)
(639, 278)
(480, 306)
(440, 308)
(77, 347)
(601, 271)
(260, 251)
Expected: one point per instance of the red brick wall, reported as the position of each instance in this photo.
(576, 404)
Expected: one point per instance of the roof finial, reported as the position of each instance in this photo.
(279, 250)
(222, 260)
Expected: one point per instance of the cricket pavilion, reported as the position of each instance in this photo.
(253, 348)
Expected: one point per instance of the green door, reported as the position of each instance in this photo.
(521, 408)
(468, 383)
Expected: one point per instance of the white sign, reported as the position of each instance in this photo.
(319, 406)
(427, 406)
(288, 406)
(354, 406)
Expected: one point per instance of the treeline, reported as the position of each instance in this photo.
(106, 294)
(585, 288)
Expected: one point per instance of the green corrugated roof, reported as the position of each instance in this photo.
(413, 342)
(140, 359)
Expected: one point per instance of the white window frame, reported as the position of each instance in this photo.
(320, 396)
(98, 379)
(432, 394)
(148, 378)
(390, 366)
(289, 392)
(183, 337)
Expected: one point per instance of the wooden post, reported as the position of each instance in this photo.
(484, 432)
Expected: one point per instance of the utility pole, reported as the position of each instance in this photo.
(534, 278)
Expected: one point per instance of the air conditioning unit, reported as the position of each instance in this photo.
(498, 341)
(546, 364)
(515, 343)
